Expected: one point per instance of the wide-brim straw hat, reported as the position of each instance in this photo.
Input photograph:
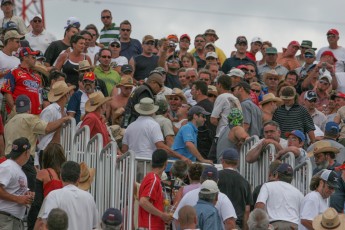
(323, 147)
(41, 69)
(211, 89)
(84, 65)
(146, 106)
(330, 219)
(96, 99)
(270, 97)
(86, 176)
(126, 80)
(177, 92)
(58, 90)
(272, 73)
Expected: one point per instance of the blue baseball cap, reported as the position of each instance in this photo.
(210, 173)
(332, 128)
(230, 154)
(285, 168)
(296, 133)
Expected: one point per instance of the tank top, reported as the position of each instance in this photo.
(51, 185)
(144, 65)
(71, 70)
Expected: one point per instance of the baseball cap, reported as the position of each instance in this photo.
(197, 110)
(25, 51)
(115, 40)
(230, 154)
(294, 43)
(310, 95)
(112, 217)
(22, 103)
(209, 187)
(329, 53)
(241, 39)
(271, 50)
(19, 146)
(36, 16)
(296, 133)
(210, 173)
(72, 22)
(330, 177)
(147, 38)
(257, 39)
(236, 72)
(211, 44)
(10, 25)
(185, 36)
(325, 74)
(285, 168)
(12, 34)
(172, 36)
(331, 128)
(311, 51)
(3, 2)
(333, 31)
(126, 69)
(212, 32)
(161, 70)
(242, 67)
(211, 54)
(90, 76)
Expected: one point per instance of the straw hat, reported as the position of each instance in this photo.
(270, 97)
(41, 69)
(96, 99)
(58, 90)
(272, 73)
(211, 89)
(84, 65)
(329, 219)
(146, 106)
(323, 147)
(126, 80)
(86, 176)
(177, 92)
(117, 132)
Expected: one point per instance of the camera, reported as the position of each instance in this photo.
(172, 44)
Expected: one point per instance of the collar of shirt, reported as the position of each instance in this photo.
(34, 35)
(194, 127)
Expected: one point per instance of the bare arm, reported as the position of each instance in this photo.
(254, 153)
(214, 121)
(163, 53)
(124, 148)
(9, 100)
(260, 205)
(161, 145)
(132, 63)
(2, 145)
(230, 223)
(245, 217)
(311, 135)
(60, 60)
(246, 126)
(54, 125)
(307, 224)
(191, 147)
(145, 203)
(24, 200)
(295, 150)
(169, 140)
(71, 114)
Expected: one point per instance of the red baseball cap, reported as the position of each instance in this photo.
(341, 167)
(185, 36)
(89, 76)
(333, 31)
(242, 67)
(329, 53)
(294, 43)
(25, 51)
(172, 36)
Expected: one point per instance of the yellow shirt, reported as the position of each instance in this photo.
(219, 52)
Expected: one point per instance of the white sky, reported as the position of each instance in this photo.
(277, 21)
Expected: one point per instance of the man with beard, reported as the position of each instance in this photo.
(76, 105)
(324, 155)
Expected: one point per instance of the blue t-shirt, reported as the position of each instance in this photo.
(188, 132)
(208, 217)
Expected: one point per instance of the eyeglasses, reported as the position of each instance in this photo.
(149, 43)
(193, 76)
(176, 60)
(256, 90)
(37, 20)
(106, 17)
(115, 45)
(199, 41)
(109, 57)
(309, 56)
(323, 82)
(292, 139)
(187, 77)
(272, 79)
(127, 30)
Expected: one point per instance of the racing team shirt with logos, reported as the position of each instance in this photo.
(23, 81)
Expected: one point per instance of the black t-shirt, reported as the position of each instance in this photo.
(53, 51)
(172, 81)
(232, 184)
(144, 65)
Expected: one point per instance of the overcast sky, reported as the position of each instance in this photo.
(277, 21)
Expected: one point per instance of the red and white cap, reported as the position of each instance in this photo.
(333, 31)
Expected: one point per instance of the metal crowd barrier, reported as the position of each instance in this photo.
(244, 167)
(80, 140)
(93, 149)
(302, 176)
(66, 136)
(261, 166)
(106, 182)
(289, 158)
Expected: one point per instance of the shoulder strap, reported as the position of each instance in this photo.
(50, 175)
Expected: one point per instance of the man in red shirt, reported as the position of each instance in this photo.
(95, 107)
(23, 80)
(151, 209)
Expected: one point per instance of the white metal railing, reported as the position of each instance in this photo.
(66, 136)
(289, 158)
(302, 176)
(244, 167)
(80, 140)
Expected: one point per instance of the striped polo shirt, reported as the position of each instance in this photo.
(106, 35)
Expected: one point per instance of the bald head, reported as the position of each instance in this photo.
(187, 217)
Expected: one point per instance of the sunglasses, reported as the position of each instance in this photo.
(115, 45)
(127, 30)
(312, 100)
(323, 82)
(106, 57)
(94, 35)
(309, 56)
(37, 20)
(211, 95)
(149, 43)
(176, 60)
(106, 17)
(256, 90)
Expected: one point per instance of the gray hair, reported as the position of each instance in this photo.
(57, 219)
(258, 220)
(208, 197)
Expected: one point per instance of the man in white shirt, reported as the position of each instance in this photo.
(280, 199)
(79, 205)
(7, 8)
(39, 38)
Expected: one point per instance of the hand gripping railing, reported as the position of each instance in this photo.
(246, 169)
(66, 136)
(289, 158)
